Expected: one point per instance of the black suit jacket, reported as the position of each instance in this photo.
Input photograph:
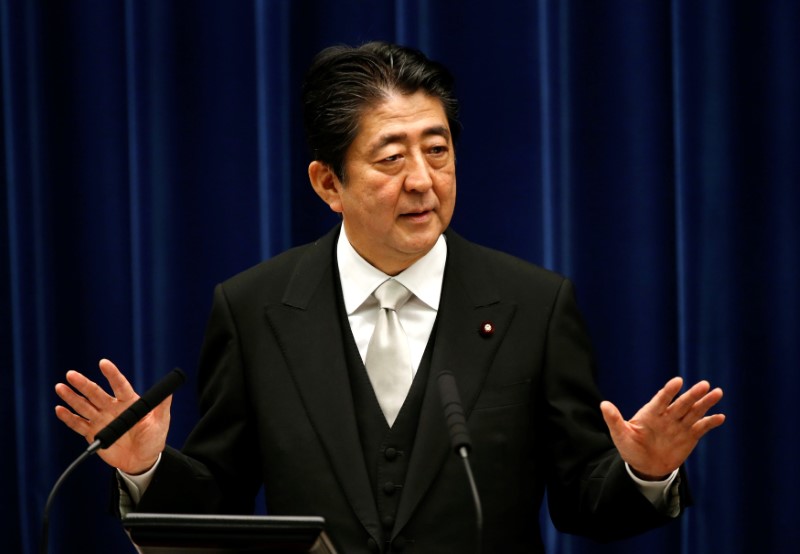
(277, 411)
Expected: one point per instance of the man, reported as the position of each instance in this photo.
(292, 398)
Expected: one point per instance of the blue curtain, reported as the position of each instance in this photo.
(649, 150)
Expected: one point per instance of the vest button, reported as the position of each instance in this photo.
(390, 453)
(388, 488)
(372, 546)
(399, 544)
(388, 522)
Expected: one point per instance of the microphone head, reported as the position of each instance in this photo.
(454, 412)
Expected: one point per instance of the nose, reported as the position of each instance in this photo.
(419, 174)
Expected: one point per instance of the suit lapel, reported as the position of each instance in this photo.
(308, 328)
(469, 299)
(307, 325)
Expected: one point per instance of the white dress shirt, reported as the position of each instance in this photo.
(424, 279)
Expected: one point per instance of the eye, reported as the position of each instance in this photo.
(438, 150)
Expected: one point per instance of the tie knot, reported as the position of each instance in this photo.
(392, 295)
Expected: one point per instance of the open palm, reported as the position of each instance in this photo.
(662, 434)
(92, 409)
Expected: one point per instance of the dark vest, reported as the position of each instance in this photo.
(386, 450)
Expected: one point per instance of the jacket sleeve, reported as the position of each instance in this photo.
(589, 490)
(217, 470)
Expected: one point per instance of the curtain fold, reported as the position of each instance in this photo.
(648, 150)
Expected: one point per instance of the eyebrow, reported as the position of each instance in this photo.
(438, 130)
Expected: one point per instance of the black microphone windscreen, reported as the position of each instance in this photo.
(454, 412)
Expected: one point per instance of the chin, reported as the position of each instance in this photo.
(421, 247)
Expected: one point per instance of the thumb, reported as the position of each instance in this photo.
(612, 417)
(163, 409)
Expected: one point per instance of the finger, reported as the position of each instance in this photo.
(701, 407)
(666, 395)
(122, 388)
(78, 403)
(707, 424)
(93, 392)
(73, 421)
(683, 404)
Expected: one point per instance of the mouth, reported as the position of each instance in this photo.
(418, 215)
(419, 210)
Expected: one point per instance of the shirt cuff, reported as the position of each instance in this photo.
(661, 494)
(137, 484)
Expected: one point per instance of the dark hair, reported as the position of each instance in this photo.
(344, 81)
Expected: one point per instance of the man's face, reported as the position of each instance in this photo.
(400, 181)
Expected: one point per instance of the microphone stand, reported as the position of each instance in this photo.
(113, 431)
(461, 441)
(464, 454)
(46, 516)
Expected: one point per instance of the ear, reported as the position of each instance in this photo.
(326, 184)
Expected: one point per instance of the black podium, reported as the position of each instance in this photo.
(225, 534)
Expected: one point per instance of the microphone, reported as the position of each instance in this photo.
(112, 432)
(130, 417)
(459, 438)
(454, 414)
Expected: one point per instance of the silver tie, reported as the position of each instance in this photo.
(388, 358)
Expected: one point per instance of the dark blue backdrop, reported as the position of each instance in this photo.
(649, 150)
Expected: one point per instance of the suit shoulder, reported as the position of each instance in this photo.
(516, 264)
(271, 276)
(502, 267)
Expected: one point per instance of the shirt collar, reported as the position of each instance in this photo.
(359, 279)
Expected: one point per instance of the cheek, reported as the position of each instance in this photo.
(446, 191)
(382, 201)
(374, 210)
(447, 201)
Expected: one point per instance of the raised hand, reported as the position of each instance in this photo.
(92, 409)
(662, 434)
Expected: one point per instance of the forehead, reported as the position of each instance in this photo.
(401, 117)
